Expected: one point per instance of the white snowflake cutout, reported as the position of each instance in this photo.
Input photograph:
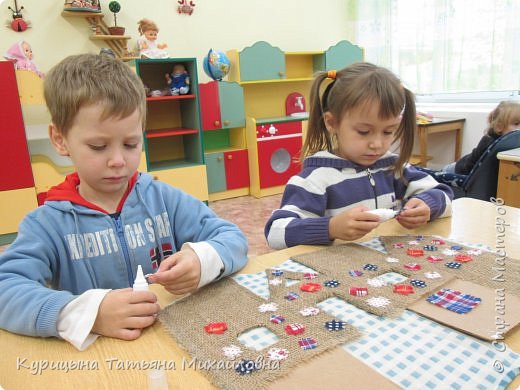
(276, 282)
(432, 275)
(392, 260)
(267, 307)
(378, 301)
(278, 353)
(474, 252)
(413, 242)
(309, 311)
(450, 252)
(232, 351)
(376, 282)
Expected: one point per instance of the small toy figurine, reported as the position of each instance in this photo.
(21, 54)
(179, 80)
(148, 48)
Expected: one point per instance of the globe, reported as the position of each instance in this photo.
(216, 64)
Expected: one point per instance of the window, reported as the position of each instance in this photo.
(444, 46)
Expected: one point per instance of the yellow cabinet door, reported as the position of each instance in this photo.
(14, 205)
(192, 179)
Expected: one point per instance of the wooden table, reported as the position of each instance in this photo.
(472, 221)
(509, 177)
(438, 125)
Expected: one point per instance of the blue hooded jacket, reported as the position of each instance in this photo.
(72, 248)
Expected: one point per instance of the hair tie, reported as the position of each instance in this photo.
(331, 74)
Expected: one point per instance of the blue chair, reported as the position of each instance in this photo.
(481, 182)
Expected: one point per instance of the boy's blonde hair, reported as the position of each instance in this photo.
(87, 79)
(145, 25)
(505, 114)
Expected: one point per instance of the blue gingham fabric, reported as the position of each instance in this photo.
(258, 339)
(412, 351)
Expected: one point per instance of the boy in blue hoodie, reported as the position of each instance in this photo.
(68, 273)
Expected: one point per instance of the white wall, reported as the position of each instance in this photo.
(292, 25)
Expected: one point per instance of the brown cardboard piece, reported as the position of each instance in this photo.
(343, 371)
(497, 314)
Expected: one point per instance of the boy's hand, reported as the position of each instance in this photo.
(352, 224)
(179, 273)
(124, 313)
(415, 213)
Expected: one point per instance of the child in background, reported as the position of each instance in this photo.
(347, 166)
(503, 119)
(148, 47)
(69, 270)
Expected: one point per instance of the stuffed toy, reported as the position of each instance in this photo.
(179, 80)
(21, 54)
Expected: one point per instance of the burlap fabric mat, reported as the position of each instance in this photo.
(226, 301)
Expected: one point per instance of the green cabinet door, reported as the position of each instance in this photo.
(341, 55)
(262, 62)
(216, 172)
(231, 97)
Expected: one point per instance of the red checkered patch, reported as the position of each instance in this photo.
(294, 329)
(310, 287)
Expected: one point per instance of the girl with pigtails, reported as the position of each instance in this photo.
(357, 115)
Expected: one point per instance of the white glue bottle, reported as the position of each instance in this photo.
(140, 283)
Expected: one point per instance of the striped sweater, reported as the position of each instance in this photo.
(329, 185)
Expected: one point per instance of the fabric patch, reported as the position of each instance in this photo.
(245, 367)
(335, 325)
(310, 287)
(309, 311)
(276, 319)
(278, 354)
(413, 243)
(307, 343)
(358, 291)
(275, 282)
(438, 241)
(294, 329)
(291, 296)
(454, 300)
(419, 238)
(474, 252)
(434, 259)
(398, 245)
(412, 266)
(277, 272)
(414, 252)
(216, 327)
(456, 247)
(432, 275)
(376, 282)
(370, 267)
(392, 260)
(378, 301)
(310, 275)
(355, 273)
(453, 265)
(463, 258)
(449, 252)
(403, 289)
(418, 283)
(267, 307)
(331, 283)
(430, 248)
(232, 351)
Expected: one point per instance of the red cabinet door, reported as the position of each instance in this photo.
(15, 163)
(278, 159)
(237, 169)
(210, 106)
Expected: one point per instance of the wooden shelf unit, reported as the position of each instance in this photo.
(118, 43)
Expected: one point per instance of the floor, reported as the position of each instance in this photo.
(249, 214)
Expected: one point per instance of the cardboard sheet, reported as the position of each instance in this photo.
(496, 315)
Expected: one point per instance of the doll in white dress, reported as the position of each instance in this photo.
(148, 47)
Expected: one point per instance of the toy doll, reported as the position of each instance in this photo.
(179, 80)
(148, 47)
(21, 54)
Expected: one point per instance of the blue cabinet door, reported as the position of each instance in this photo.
(216, 172)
